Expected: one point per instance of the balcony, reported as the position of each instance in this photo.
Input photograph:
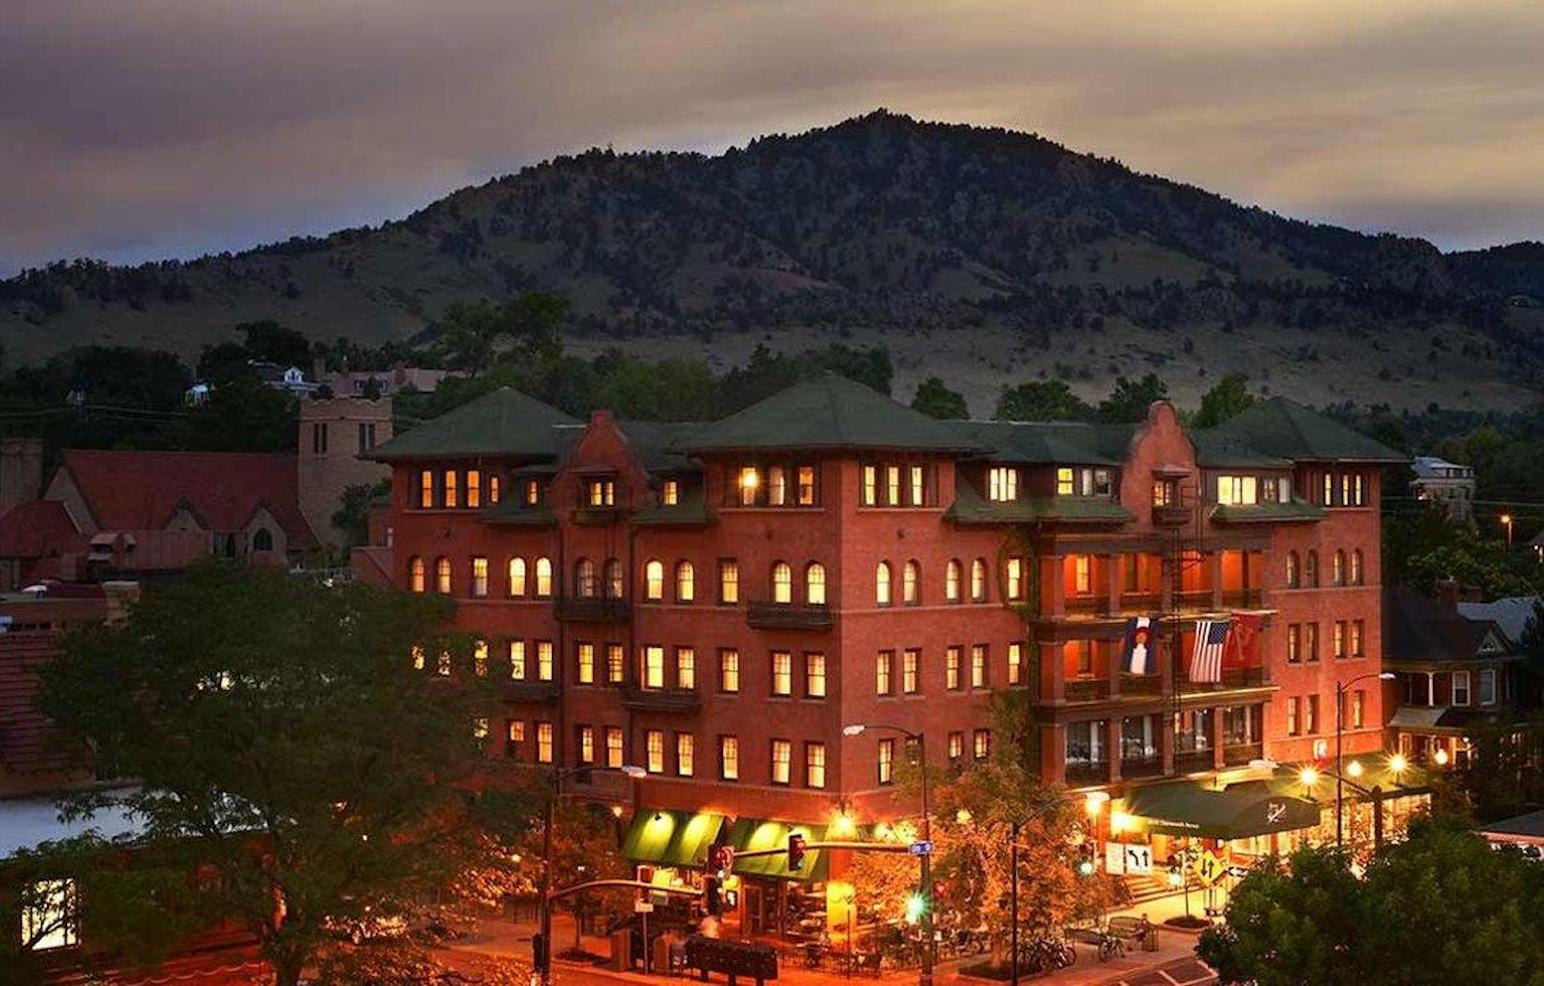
(1240, 754)
(1141, 684)
(1193, 762)
(1245, 678)
(1082, 773)
(1090, 605)
(1171, 516)
(1143, 603)
(594, 610)
(1194, 599)
(1243, 598)
(539, 692)
(1141, 767)
(677, 700)
(1086, 690)
(788, 616)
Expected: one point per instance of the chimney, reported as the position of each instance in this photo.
(21, 472)
(1447, 593)
(602, 417)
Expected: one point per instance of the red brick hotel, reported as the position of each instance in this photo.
(715, 601)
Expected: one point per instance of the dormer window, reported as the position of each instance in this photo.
(1237, 491)
(670, 493)
(531, 493)
(1002, 484)
(1084, 481)
(760, 485)
(601, 492)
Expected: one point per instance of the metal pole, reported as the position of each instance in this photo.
(546, 881)
(1377, 818)
(1013, 906)
(1340, 701)
(929, 946)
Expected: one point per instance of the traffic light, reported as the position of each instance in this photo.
(710, 893)
(539, 952)
(721, 860)
(916, 906)
(1087, 864)
(795, 852)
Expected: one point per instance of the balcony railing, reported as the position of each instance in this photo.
(1194, 599)
(1141, 684)
(1193, 762)
(1171, 516)
(1240, 754)
(1141, 767)
(1087, 773)
(1092, 605)
(1245, 678)
(660, 699)
(1242, 597)
(594, 610)
(1140, 602)
(1086, 690)
(530, 691)
(788, 616)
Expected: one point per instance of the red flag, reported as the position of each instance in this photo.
(1242, 649)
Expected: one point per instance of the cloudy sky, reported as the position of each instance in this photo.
(137, 129)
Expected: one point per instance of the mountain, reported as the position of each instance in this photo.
(984, 256)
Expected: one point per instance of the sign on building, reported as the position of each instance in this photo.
(1133, 858)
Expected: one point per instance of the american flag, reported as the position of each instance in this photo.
(1206, 659)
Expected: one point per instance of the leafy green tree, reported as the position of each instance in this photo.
(244, 415)
(1229, 397)
(1129, 401)
(1050, 400)
(284, 742)
(353, 507)
(936, 400)
(273, 342)
(475, 334)
(224, 362)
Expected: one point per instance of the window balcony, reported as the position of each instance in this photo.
(677, 700)
(1171, 516)
(788, 616)
(530, 691)
(594, 610)
(1086, 690)
(1141, 684)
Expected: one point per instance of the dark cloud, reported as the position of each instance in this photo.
(151, 128)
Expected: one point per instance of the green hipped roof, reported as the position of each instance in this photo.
(828, 412)
(1047, 442)
(1292, 510)
(970, 507)
(763, 833)
(504, 422)
(1237, 811)
(1218, 450)
(1278, 427)
(672, 838)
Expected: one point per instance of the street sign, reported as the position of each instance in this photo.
(642, 907)
(1209, 868)
(1238, 872)
(920, 848)
(1134, 858)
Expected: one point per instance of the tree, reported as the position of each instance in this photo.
(244, 415)
(1050, 400)
(225, 362)
(283, 741)
(353, 508)
(272, 342)
(1229, 397)
(1129, 401)
(475, 334)
(936, 400)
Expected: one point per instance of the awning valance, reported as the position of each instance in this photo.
(672, 838)
(1237, 811)
(764, 833)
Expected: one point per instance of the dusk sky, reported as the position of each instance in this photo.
(140, 129)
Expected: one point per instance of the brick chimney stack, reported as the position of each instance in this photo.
(1447, 593)
(21, 472)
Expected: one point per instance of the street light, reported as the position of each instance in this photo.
(558, 776)
(1340, 728)
(929, 952)
(1093, 804)
(1506, 521)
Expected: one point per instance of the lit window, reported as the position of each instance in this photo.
(1293, 706)
(978, 666)
(1082, 575)
(685, 582)
(416, 574)
(882, 583)
(1065, 485)
(729, 671)
(749, 486)
(442, 575)
(532, 493)
(1015, 663)
(1294, 570)
(479, 577)
(480, 658)
(729, 758)
(911, 575)
(49, 916)
(517, 669)
(1358, 496)
(1104, 482)
(978, 580)
(517, 576)
(426, 489)
(473, 488)
(782, 755)
(956, 745)
(418, 658)
(884, 667)
(544, 660)
(514, 731)
(893, 485)
(911, 669)
(480, 728)
(815, 584)
(1294, 644)
(1329, 490)
(685, 754)
(586, 654)
(806, 477)
(952, 657)
(654, 745)
(1237, 491)
(782, 672)
(451, 500)
(1002, 484)
(815, 675)
(815, 765)
(728, 581)
(602, 493)
(585, 583)
(782, 583)
(1014, 577)
(870, 485)
(544, 578)
(686, 668)
(614, 586)
(654, 666)
(981, 743)
(613, 747)
(544, 742)
(654, 579)
(777, 486)
(670, 494)
(1356, 566)
(493, 489)
(1338, 568)
(886, 764)
(952, 576)
(1359, 708)
(615, 664)
(587, 744)
(918, 486)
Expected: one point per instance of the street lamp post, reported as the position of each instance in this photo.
(544, 956)
(930, 947)
(1340, 728)
(1506, 521)
(1094, 802)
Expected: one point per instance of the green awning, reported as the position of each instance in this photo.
(671, 838)
(1238, 811)
(764, 833)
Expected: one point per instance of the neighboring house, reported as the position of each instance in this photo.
(1446, 483)
(279, 377)
(354, 383)
(1456, 673)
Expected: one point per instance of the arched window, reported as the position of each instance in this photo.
(416, 576)
(262, 539)
(685, 582)
(815, 584)
(952, 576)
(654, 579)
(1294, 570)
(882, 583)
(584, 579)
(614, 586)
(911, 583)
(1356, 567)
(442, 574)
(517, 576)
(1311, 570)
(978, 580)
(1338, 568)
(782, 583)
(544, 578)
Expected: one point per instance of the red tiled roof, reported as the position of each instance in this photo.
(37, 529)
(140, 491)
(27, 743)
